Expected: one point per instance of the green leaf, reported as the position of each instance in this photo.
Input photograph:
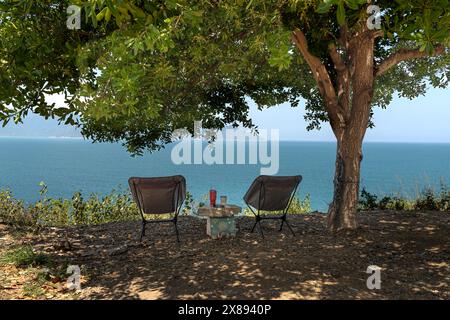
(324, 7)
(101, 14)
(340, 14)
(108, 14)
(249, 5)
(352, 4)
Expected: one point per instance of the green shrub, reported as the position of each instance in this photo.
(114, 207)
(298, 206)
(444, 202)
(75, 211)
(13, 211)
(400, 204)
(25, 256)
(65, 212)
(426, 200)
(189, 205)
(367, 200)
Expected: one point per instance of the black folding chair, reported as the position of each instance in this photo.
(163, 195)
(272, 193)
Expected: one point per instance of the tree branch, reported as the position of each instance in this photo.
(403, 55)
(339, 63)
(323, 81)
(343, 77)
(378, 34)
(344, 37)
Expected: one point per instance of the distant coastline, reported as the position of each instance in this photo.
(282, 140)
(44, 138)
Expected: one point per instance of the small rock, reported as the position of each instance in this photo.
(64, 245)
(118, 251)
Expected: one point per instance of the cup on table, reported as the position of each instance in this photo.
(223, 200)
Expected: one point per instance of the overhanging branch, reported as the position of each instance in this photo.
(323, 80)
(403, 55)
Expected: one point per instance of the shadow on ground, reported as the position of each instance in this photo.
(412, 250)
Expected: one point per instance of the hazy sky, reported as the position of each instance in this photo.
(425, 119)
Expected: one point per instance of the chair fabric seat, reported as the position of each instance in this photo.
(159, 195)
(271, 193)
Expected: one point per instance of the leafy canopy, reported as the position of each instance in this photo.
(137, 70)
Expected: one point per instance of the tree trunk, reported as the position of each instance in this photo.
(347, 101)
(342, 211)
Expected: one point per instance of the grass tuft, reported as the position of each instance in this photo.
(24, 256)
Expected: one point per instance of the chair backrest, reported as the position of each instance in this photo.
(272, 193)
(158, 195)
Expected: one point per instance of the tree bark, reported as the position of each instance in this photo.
(342, 211)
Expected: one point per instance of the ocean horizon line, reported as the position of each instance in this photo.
(281, 140)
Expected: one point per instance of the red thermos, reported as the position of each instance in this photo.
(212, 197)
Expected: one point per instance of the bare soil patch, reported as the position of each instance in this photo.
(412, 249)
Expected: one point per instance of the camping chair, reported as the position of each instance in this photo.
(164, 195)
(270, 193)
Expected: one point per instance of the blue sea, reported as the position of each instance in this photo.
(70, 165)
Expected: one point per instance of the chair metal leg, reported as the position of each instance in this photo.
(281, 226)
(289, 226)
(176, 231)
(257, 222)
(143, 231)
(260, 229)
(254, 226)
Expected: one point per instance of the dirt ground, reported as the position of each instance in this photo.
(412, 250)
